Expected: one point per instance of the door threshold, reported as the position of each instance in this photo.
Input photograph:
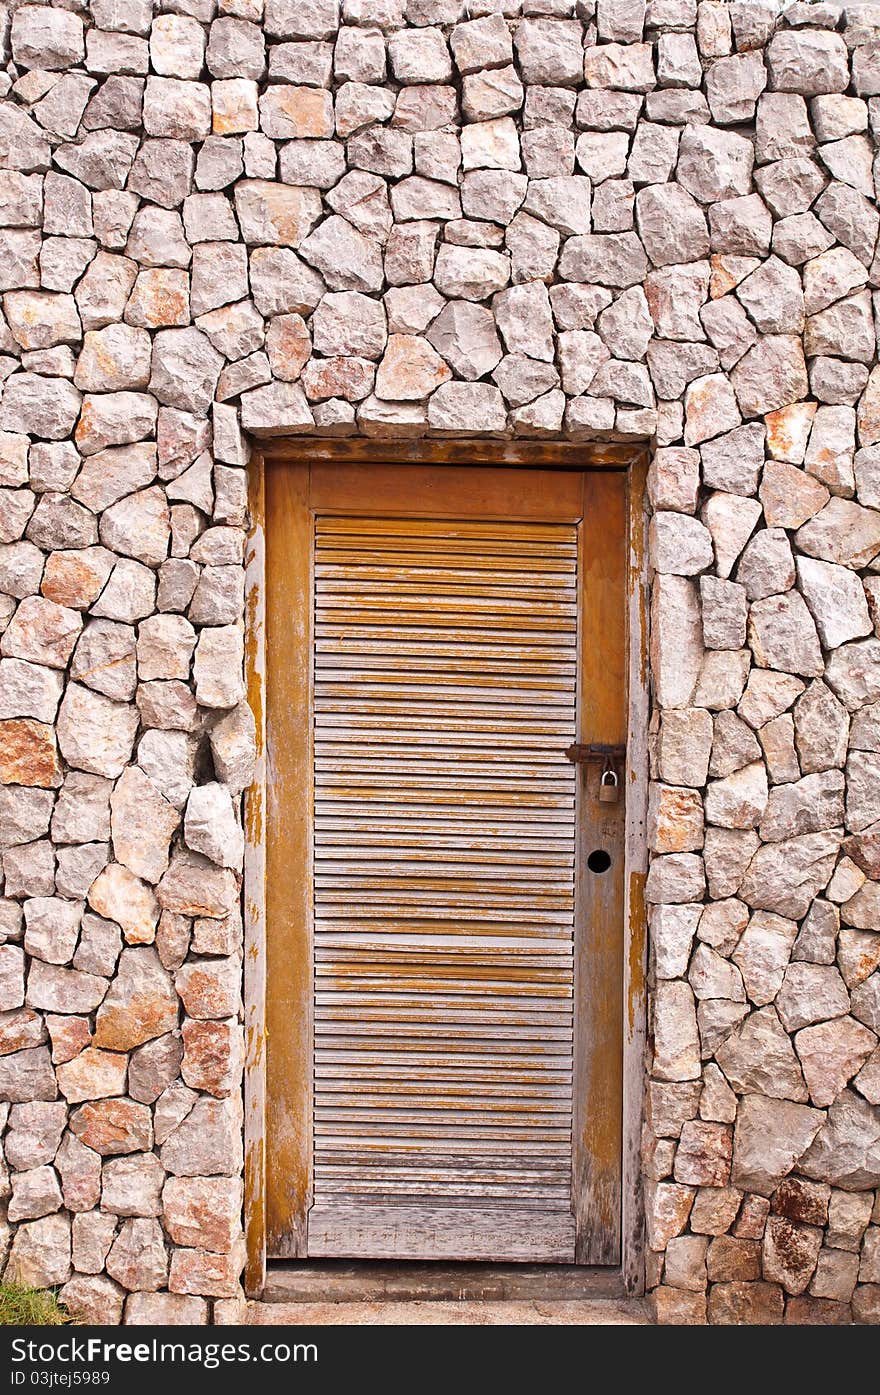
(370, 1281)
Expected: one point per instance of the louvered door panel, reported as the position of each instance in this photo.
(445, 686)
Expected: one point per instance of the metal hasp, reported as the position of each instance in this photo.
(581, 754)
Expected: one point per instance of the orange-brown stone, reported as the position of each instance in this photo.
(76, 578)
(203, 1211)
(289, 346)
(788, 429)
(113, 1126)
(28, 754)
(69, 1036)
(212, 1056)
(20, 1030)
(743, 1304)
(140, 1005)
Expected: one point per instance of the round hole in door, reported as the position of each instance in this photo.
(599, 860)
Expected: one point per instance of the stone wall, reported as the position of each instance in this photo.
(405, 218)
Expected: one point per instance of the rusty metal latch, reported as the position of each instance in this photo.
(581, 754)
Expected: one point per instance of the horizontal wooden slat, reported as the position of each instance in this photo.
(377, 1231)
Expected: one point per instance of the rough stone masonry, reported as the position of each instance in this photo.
(234, 218)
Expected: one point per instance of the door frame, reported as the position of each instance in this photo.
(598, 456)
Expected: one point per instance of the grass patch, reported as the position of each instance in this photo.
(31, 1307)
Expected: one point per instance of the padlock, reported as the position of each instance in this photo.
(609, 786)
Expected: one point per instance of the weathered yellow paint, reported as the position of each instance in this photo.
(637, 946)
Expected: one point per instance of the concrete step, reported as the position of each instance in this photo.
(594, 1312)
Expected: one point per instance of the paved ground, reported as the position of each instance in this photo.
(589, 1313)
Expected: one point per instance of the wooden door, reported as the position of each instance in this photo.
(444, 968)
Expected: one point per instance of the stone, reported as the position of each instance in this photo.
(93, 1298)
(730, 519)
(713, 164)
(165, 1310)
(92, 1234)
(803, 806)
(770, 376)
(113, 1126)
(211, 828)
(676, 640)
(676, 1044)
(739, 800)
(766, 566)
(119, 895)
(47, 39)
(763, 954)
(137, 1258)
(841, 532)
(816, 942)
(193, 886)
(866, 1002)
(858, 955)
(782, 635)
(203, 1211)
(172, 1107)
(140, 1005)
(92, 1075)
(741, 233)
(846, 1151)
(685, 1263)
(837, 600)
(35, 1193)
(724, 613)
(80, 1170)
(111, 419)
(853, 673)
(668, 1205)
(773, 298)
(675, 819)
(132, 1185)
(831, 1054)
(217, 667)
(673, 475)
(98, 950)
(275, 214)
(789, 496)
(679, 544)
(213, 1056)
(142, 823)
(802, 239)
(207, 1142)
(703, 1154)
(200, 1271)
(470, 273)
(177, 46)
(811, 993)
(185, 368)
(808, 62)
(153, 1067)
(233, 748)
(672, 933)
(769, 1137)
(40, 1253)
(757, 1057)
(82, 809)
(848, 1216)
(790, 1252)
(784, 877)
(51, 930)
(835, 1275)
(28, 690)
